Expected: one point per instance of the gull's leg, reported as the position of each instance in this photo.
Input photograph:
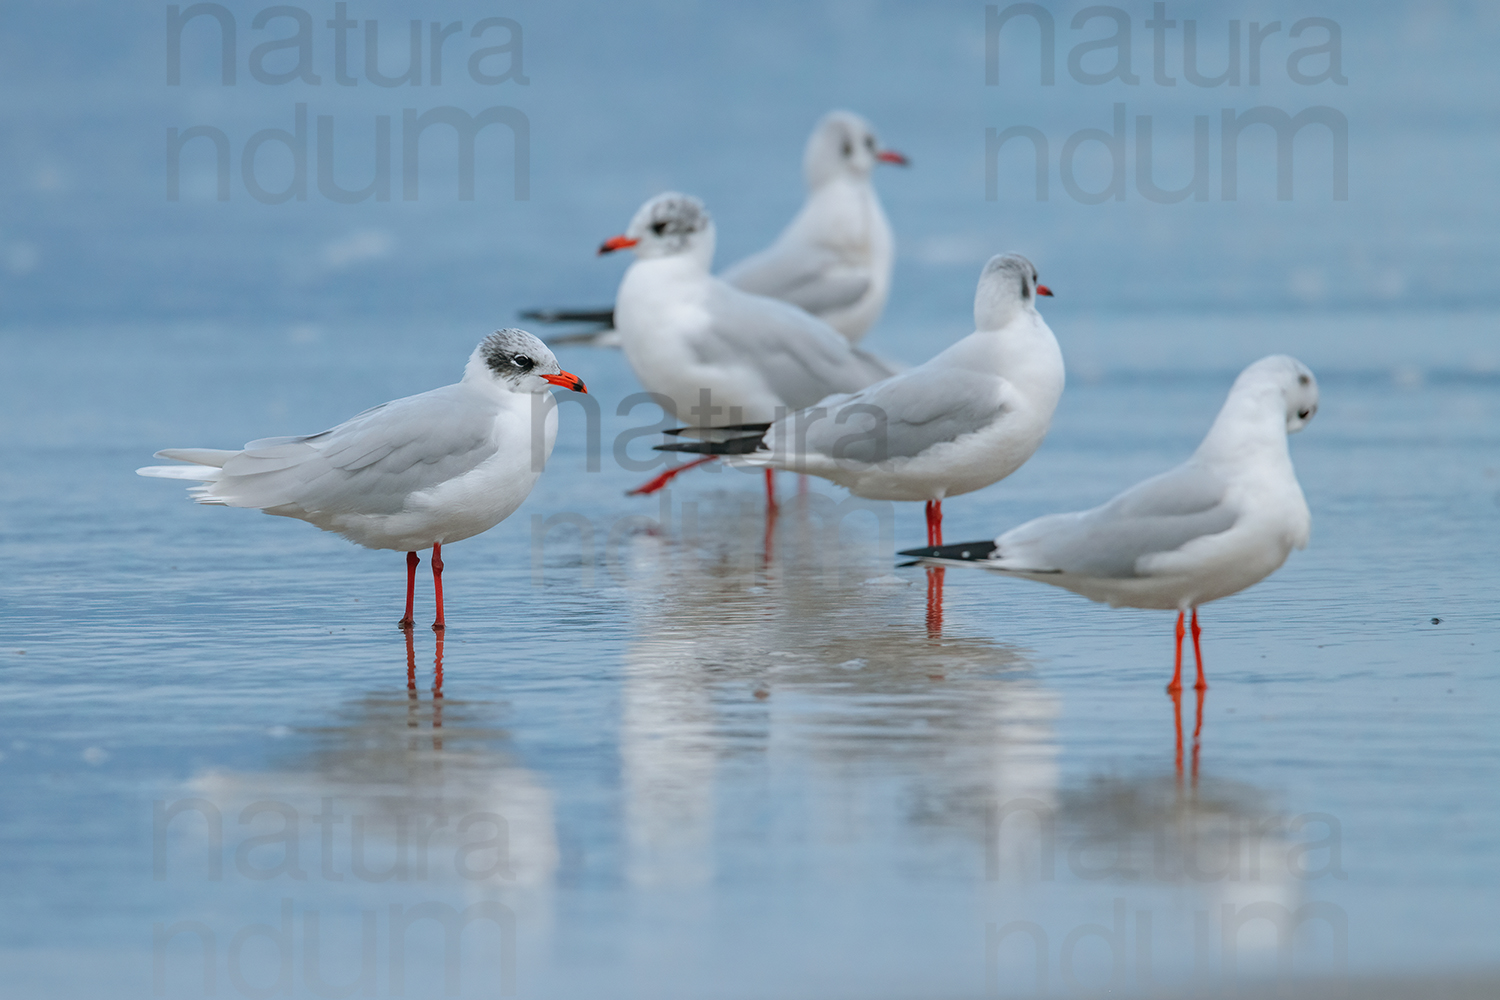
(1202, 684)
(1176, 684)
(653, 485)
(437, 584)
(770, 491)
(928, 511)
(411, 589)
(937, 522)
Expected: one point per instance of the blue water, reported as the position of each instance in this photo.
(670, 755)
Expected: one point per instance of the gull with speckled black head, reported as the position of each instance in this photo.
(714, 354)
(412, 474)
(833, 259)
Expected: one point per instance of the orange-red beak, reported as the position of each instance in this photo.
(1043, 290)
(567, 380)
(891, 156)
(616, 243)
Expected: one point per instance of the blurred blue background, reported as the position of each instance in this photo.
(730, 771)
(624, 101)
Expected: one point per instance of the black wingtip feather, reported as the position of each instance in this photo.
(735, 446)
(967, 551)
(604, 316)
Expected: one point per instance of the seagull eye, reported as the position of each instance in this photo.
(848, 148)
(523, 362)
(1303, 380)
(1304, 414)
(658, 228)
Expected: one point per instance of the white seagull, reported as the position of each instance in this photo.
(716, 355)
(961, 421)
(833, 259)
(410, 474)
(1225, 519)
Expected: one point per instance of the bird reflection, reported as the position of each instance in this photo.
(413, 777)
(816, 670)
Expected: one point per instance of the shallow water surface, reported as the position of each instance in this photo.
(663, 752)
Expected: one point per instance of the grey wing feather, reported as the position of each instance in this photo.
(1161, 514)
(802, 358)
(903, 416)
(370, 464)
(812, 278)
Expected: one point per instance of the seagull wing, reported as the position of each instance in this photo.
(900, 417)
(800, 358)
(1160, 515)
(370, 464)
(811, 277)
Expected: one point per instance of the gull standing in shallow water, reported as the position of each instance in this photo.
(1223, 520)
(833, 259)
(718, 355)
(411, 474)
(965, 419)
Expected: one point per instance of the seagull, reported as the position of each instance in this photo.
(410, 474)
(1223, 520)
(710, 351)
(963, 420)
(833, 259)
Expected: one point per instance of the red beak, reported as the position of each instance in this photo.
(616, 243)
(567, 381)
(1043, 290)
(891, 156)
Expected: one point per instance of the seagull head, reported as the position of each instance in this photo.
(521, 363)
(1283, 384)
(666, 226)
(844, 144)
(1007, 287)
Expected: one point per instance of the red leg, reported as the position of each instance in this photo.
(1202, 684)
(771, 491)
(1176, 684)
(411, 589)
(437, 584)
(652, 486)
(937, 522)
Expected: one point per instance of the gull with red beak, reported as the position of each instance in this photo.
(966, 418)
(411, 474)
(1222, 521)
(716, 355)
(834, 258)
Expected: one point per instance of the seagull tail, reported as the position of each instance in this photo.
(958, 553)
(205, 467)
(739, 439)
(605, 315)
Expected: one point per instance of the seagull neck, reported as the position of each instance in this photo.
(1252, 422)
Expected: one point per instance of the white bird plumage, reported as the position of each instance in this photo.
(963, 420)
(1222, 521)
(835, 257)
(409, 474)
(691, 336)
